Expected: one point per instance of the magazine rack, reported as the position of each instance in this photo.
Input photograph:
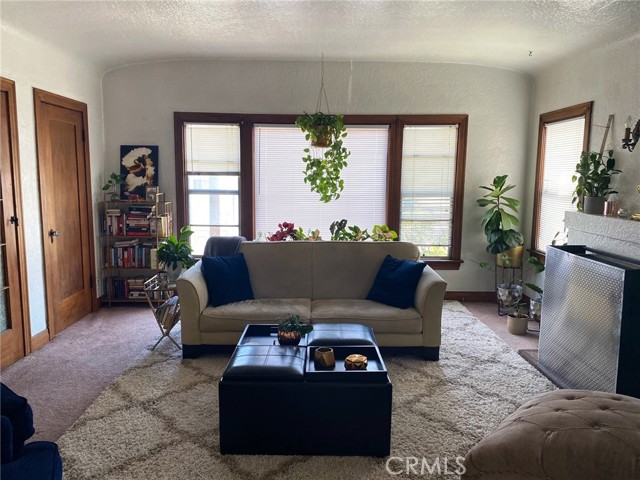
(167, 314)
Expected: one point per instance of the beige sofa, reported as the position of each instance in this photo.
(324, 282)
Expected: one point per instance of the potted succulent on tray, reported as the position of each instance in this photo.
(291, 328)
(175, 253)
(499, 224)
(593, 176)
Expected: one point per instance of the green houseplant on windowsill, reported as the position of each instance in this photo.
(322, 171)
(175, 253)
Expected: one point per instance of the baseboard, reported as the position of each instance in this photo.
(39, 340)
(471, 296)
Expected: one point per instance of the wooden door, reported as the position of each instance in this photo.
(67, 219)
(14, 327)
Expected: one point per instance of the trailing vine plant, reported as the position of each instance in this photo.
(322, 169)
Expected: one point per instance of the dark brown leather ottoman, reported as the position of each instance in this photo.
(563, 435)
(273, 402)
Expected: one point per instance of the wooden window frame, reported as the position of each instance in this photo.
(568, 113)
(396, 124)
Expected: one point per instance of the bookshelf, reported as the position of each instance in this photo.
(131, 232)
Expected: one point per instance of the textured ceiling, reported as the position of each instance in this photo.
(501, 34)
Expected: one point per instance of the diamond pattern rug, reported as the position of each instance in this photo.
(159, 420)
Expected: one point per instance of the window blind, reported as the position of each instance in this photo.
(563, 146)
(212, 148)
(282, 196)
(428, 176)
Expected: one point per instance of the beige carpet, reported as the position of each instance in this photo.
(159, 420)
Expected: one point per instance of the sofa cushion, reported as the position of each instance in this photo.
(279, 269)
(227, 279)
(233, 317)
(382, 318)
(396, 282)
(348, 269)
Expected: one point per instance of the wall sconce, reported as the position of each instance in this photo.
(630, 138)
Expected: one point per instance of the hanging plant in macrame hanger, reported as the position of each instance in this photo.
(327, 156)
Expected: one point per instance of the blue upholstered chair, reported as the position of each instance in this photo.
(33, 461)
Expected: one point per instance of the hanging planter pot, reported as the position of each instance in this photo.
(322, 137)
(323, 168)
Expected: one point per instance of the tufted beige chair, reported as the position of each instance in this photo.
(563, 435)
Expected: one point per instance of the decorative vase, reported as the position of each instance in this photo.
(517, 324)
(508, 294)
(594, 205)
(324, 357)
(535, 309)
(511, 258)
(288, 338)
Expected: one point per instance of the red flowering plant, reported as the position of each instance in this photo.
(286, 231)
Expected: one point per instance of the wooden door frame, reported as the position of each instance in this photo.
(40, 98)
(9, 87)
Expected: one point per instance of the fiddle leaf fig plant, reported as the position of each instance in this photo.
(499, 220)
(322, 171)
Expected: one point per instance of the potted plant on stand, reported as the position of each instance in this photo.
(322, 170)
(535, 303)
(499, 222)
(175, 253)
(593, 176)
(291, 328)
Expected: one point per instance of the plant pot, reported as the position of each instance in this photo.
(517, 324)
(535, 309)
(508, 294)
(174, 273)
(594, 205)
(511, 258)
(288, 338)
(323, 137)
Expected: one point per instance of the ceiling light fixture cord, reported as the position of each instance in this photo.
(322, 90)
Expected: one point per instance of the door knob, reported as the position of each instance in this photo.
(53, 233)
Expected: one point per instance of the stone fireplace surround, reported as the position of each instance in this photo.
(615, 235)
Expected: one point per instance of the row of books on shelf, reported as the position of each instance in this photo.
(130, 288)
(136, 224)
(132, 254)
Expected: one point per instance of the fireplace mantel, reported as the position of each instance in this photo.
(612, 234)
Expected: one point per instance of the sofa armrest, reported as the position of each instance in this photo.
(194, 297)
(428, 301)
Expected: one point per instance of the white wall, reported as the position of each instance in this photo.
(139, 102)
(33, 64)
(608, 76)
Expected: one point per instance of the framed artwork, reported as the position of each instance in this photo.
(140, 165)
(150, 194)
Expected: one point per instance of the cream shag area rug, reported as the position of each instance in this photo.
(159, 420)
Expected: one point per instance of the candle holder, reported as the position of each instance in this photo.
(631, 137)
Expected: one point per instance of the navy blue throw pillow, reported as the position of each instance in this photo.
(396, 282)
(227, 279)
